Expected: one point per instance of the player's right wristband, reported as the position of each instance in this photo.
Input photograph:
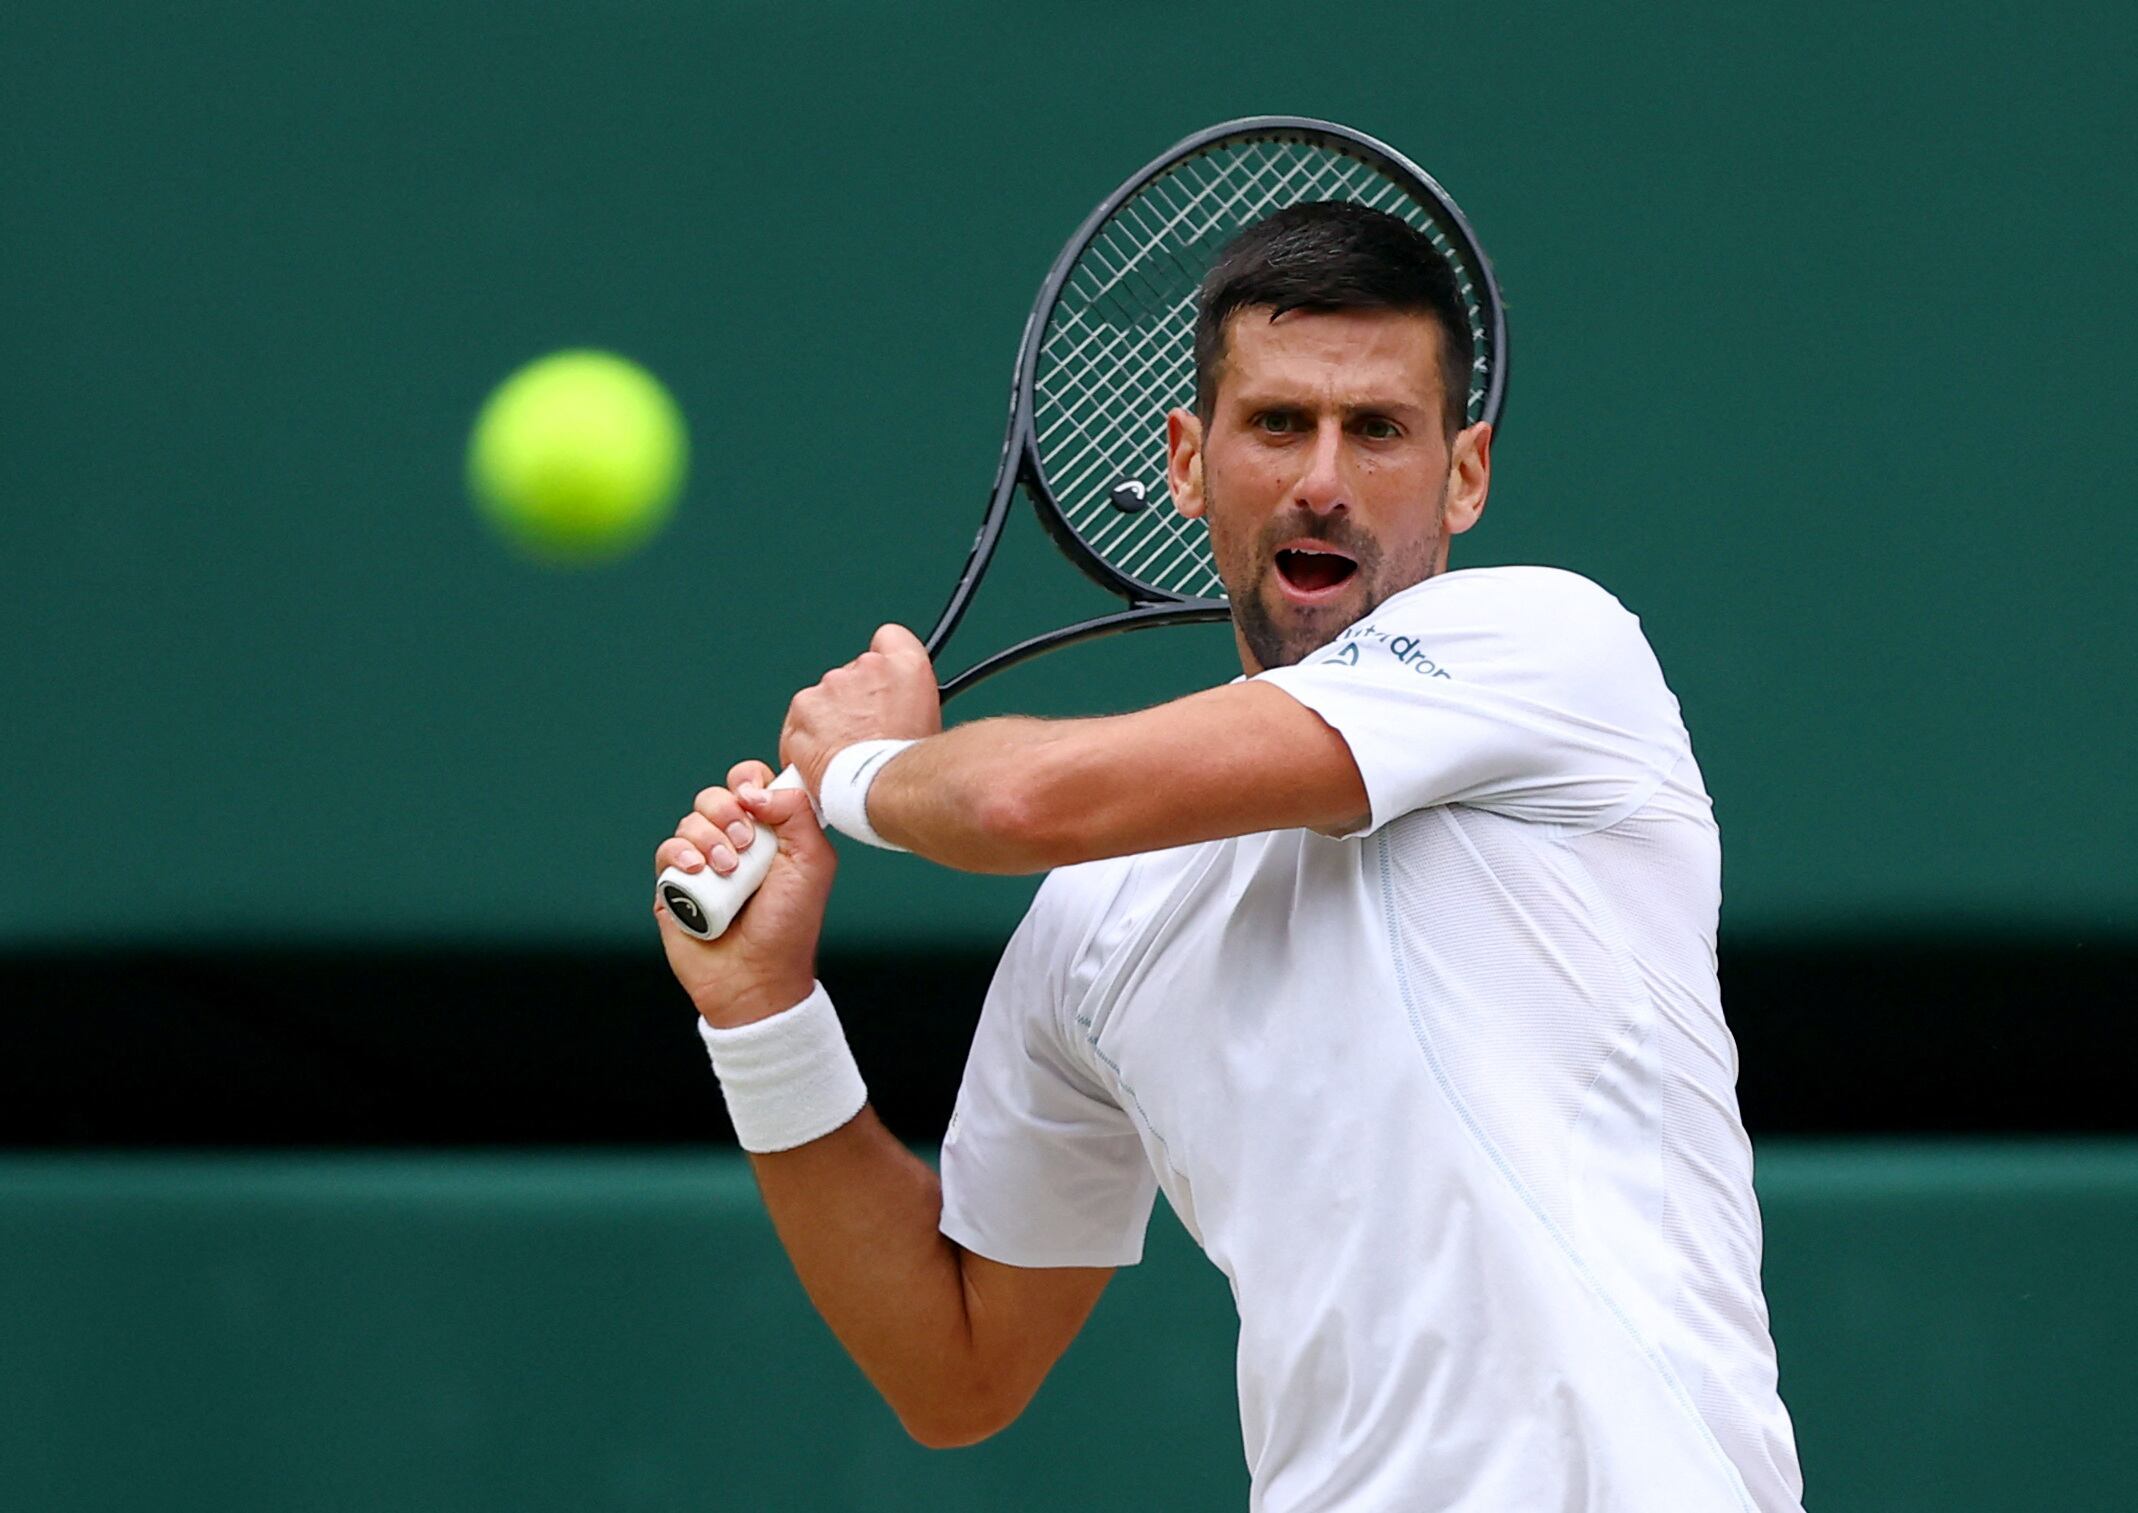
(789, 1079)
(844, 793)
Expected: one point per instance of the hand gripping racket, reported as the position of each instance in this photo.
(1107, 350)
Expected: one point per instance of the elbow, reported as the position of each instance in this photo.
(933, 1434)
(963, 1404)
(953, 1425)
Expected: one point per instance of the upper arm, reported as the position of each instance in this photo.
(1529, 692)
(1230, 761)
(1045, 1188)
(1021, 1319)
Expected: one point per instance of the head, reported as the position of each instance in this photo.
(1329, 450)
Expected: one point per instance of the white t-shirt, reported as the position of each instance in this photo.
(1450, 1101)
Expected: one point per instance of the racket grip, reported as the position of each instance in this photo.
(705, 903)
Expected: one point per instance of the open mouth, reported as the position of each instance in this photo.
(1312, 571)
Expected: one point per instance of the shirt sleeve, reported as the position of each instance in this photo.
(1040, 1166)
(1528, 692)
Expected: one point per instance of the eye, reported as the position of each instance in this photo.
(1378, 428)
(1276, 422)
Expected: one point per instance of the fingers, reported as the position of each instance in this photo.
(727, 826)
(786, 810)
(718, 849)
(897, 641)
(679, 853)
(749, 772)
(715, 833)
(789, 814)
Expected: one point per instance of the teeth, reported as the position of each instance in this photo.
(1310, 570)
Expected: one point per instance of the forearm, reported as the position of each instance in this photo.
(965, 798)
(1024, 795)
(956, 1343)
(857, 1213)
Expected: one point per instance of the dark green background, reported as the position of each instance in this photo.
(1822, 325)
(1822, 319)
(605, 1335)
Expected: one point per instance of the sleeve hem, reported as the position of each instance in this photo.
(1037, 1257)
(1278, 677)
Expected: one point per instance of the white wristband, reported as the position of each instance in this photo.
(844, 793)
(789, 1079)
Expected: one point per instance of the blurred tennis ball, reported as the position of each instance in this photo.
(578, 457)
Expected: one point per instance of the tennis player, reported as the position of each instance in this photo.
(1392, 964)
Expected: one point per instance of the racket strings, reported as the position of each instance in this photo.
(1118, 351)
(1177, 553)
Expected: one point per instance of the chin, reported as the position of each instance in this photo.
(1293, 632)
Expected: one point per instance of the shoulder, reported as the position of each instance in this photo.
(1518, 600)
(1542, 637)
(1489, 623)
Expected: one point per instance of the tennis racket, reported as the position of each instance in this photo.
(1107, 350)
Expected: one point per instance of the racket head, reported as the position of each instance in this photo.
(1110, 345)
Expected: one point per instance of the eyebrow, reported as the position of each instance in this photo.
(1350, 406)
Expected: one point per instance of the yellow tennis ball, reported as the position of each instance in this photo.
(578, 457)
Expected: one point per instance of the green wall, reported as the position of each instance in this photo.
(1819, 314)
(596, 1335)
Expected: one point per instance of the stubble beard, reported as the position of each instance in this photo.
(1302, 631)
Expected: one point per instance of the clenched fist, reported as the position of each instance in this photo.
(766, 961)
(886, 693)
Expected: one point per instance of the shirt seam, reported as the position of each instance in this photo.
(1528, 1200)
(1627, 807)
(1094, 920)
(1182, 891)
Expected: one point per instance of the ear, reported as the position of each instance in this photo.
(1469, 478)
(1184, 462)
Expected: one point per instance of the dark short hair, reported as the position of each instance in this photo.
(1333, 255)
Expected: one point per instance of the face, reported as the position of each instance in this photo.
(1325, 474)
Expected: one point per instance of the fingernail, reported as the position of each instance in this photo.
(723, 859)
(690, 861)
(740, 833)
(750, 793)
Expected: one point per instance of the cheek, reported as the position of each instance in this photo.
(1239, 488)
(1235, 505)
(1408, 521)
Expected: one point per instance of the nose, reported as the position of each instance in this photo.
(1321, 488)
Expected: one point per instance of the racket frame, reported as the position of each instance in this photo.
(1018, 467)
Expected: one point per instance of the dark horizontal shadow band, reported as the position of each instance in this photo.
(488, 1048)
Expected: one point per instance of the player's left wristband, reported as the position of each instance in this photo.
(843, 796)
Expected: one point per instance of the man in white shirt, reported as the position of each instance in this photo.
(1391, 964)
